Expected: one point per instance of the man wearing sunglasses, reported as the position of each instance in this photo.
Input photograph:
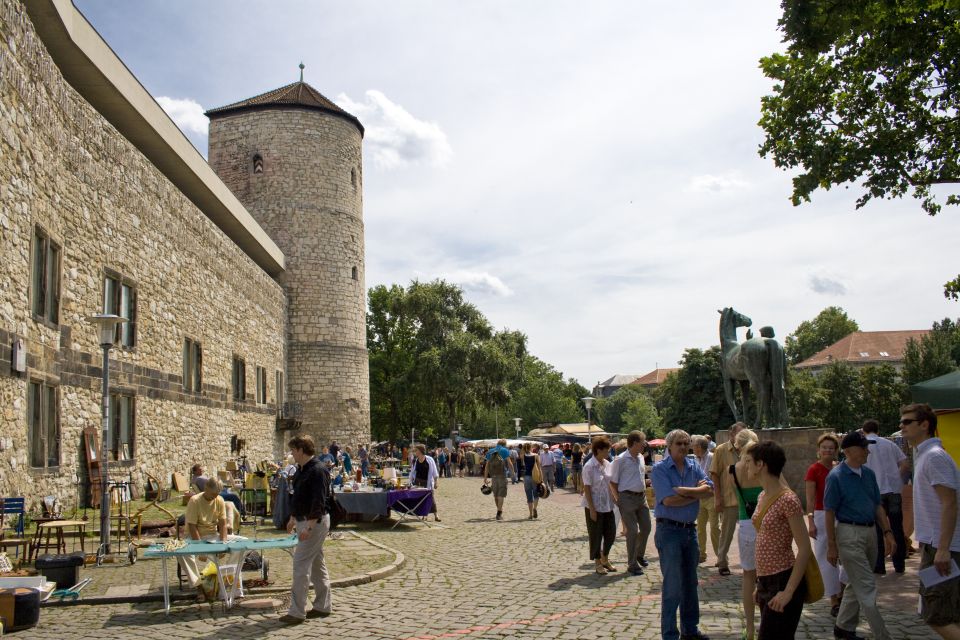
(936, 481)
(679, 484)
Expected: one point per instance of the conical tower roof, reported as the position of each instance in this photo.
(298, 95)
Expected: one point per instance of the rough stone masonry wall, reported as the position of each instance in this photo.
(309, 198)
(64, 168)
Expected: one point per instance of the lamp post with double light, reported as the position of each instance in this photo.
(106, 323)
(516, 423)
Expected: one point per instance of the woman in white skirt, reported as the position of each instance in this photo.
(747, 487)
(816, 480)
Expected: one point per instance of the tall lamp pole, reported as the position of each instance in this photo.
(516, 423)
(588, 403)
(107, 325)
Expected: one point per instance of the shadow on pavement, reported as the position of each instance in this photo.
(591, 580)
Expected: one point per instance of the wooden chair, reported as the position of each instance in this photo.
(12, 513)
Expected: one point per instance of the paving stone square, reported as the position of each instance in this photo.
(474, 577)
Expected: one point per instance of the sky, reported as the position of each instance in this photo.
(587, 172)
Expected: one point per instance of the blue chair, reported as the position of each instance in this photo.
(10, 508)
(12, 515)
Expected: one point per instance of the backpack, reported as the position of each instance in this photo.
(496, 465)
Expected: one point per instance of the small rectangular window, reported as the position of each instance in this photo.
(45, 277)
(239, 379)
(261, 385)
(120, 298)
(192, 365)
(43, 423)
(122, 426)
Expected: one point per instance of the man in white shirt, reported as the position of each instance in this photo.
(628, 482)
(936, 481)
(885, 461)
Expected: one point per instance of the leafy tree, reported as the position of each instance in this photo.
(641, 415)
(934, 354)
(693, 400)
(883, 395)
(867, 90)
(843, 409)
(806, 399)
(433, 355)
(610, 412)
(812, 336)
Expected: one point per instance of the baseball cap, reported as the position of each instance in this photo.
(855, 439)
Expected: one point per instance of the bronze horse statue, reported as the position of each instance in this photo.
(758, 363)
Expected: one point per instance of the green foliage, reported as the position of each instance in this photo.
(867, 89)
(843, 409)
(951, 290)
(642, 415)
(842, 397)
(934, 354)
(435, 362)
(431, 355)
(610, 412)
(806, 399)
(883, 395)
(692, 398)
(812, 336)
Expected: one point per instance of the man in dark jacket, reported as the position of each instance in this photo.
(310, 520)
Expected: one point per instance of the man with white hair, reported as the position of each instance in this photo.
(679, 483)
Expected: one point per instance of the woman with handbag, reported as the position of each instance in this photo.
(532, 476)
(598, 504)
(815, 481)
(781, 584)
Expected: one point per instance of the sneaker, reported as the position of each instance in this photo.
(693, 636)
(724, 571)
(635, 571)
(499, 515)
(289, 619)
(316, 613)
(643, 562)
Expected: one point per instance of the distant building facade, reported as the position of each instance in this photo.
(244, 290)
(611, 385)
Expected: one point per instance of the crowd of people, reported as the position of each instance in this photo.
(849, 521)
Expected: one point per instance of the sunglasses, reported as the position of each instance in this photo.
(905, 421)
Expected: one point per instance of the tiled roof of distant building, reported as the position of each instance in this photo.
(655, 377)
(865, 347)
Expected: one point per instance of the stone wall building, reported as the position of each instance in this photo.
(239, 301)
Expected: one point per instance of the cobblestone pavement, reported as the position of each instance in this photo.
(473, 577)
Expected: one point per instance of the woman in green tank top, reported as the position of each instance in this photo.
(748, 491)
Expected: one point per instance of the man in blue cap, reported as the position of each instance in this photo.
(851, 501)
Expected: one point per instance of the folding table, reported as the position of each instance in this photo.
(411, 503)
(213, 549)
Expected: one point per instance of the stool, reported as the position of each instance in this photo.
(55, 528)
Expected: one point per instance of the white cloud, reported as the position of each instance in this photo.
(395, 136)
(185, 113)
(709, 183)
(479, 282)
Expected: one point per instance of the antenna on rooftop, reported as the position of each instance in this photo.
(301, 71)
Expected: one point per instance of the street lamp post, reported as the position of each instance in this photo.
(107, 325)
(516, 423)
(588, 403)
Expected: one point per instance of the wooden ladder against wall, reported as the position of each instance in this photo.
(91, 445)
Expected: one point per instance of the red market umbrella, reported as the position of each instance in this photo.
(659, 442)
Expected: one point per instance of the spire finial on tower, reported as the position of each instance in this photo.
(302, 66)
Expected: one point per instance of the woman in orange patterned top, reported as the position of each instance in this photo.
(778, 520)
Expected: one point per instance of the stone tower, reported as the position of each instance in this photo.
(293, 158)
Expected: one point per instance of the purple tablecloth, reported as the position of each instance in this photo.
(408, 500)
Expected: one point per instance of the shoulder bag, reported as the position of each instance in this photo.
(811, 573)
(750, 507)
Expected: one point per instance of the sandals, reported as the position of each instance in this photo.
(724, 571)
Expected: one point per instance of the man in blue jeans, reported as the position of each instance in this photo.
(679, 483)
